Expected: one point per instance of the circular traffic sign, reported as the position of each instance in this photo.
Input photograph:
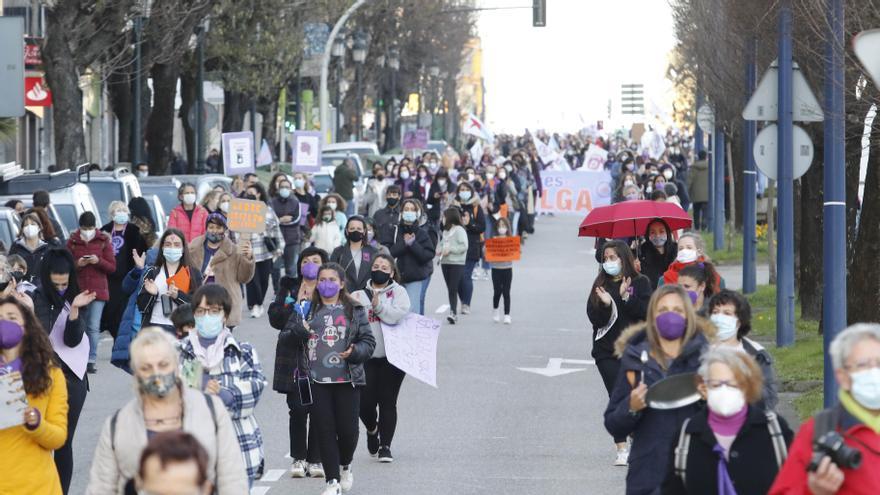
(706, 119)
(766, 151)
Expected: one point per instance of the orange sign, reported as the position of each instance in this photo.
(503, 249)
(246, 216)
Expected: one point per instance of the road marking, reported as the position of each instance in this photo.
(260, 490)
(554, 367)
(272, 475)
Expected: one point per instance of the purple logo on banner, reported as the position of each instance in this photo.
(415, 140)
(306, 151)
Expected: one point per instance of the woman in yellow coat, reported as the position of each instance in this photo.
(28, 467)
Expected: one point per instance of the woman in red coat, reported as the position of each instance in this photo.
(188, 217)
(691, 250)
(92, 251)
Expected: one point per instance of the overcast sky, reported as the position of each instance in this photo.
(552, 77)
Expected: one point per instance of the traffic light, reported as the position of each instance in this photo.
(539, 13)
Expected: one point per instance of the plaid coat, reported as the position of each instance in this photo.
(241, 383)
(273, 230)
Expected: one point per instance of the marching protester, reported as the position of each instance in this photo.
(142, 218)
(291, 365)
(502, 277)
(305, 194)
(167, 283)
(217, 363)
(173, 462)
(669, 342)
(287, 209)
(326, 233)
(453, 250)
(733, 445)
(731, 314)
(387, 302)
(95, 261)
(618, 299)
(356, 255)
(164, 404)
(30, 245)
(698, 189)
(266, 247)
(438, 199)
(338, 205)
(699, 285)
(344, 178)
(691, 250)
(211, 201)
(125, 238)
(374, 194)
(222, 262)
(60, 308)
(414, 250)
(339, 342)
(474, 222)
(657, 251)
(28, 466)
(188, 217)
(387, 219)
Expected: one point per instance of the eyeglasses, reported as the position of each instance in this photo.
(208, 311)
(713, 384)
(863, 365)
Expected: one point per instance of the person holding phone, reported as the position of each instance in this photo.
(168, 283)
(95, 262)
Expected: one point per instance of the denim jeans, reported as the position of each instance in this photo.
(414, 291)
(466, 285)
(424, 293)
(287, 262)
(93, 327)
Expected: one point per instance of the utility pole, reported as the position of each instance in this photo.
(785, 247)
(750, 177)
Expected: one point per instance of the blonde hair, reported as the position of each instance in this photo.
(116, 206)
(653, 335)
(698, 241)
(150, 337)
(744, 368)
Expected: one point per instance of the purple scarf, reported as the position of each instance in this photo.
(726, 426)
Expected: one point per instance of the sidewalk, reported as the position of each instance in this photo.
(733, 276)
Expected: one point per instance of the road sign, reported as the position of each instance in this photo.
(765, 151)
(12, 66)
(866, 46)
(632, 99)
(763, 105)
(554, 367)
(706, 119)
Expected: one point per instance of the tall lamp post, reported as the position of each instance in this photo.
(338, 53)
(393, 62)
(359, 55)
(434, 72)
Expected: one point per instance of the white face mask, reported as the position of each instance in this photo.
(189, 198)
(686, 256)
(502, 231)
(866, 388)
(31, 231)
(224, 207)
(668, 174)
(87, 235)
(726, 326)
(332, 205)
(726, 401)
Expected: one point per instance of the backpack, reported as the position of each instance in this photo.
(780, 449)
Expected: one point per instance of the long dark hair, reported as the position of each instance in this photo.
(160, 258)
(348, 302)
(36, 351)
(451, 217)
(395, 273)
(264, 197)
(703, 273)
(58, 261)
(627, 269)
(273, 190)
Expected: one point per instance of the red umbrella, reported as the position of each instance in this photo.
(631, 218)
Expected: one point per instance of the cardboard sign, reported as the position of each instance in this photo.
(238, 152)
(411, 345)
(636, 131)
(246, 216)
(307, 151)
(415, 140)
(574, 193)
(13, 400)
(503, 249)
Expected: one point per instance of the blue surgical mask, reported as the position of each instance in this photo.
(172, 254)
(464, 195)
(284, 192)
(866, 388)
(209, 326)
(611, 268)
(120, 218)
(726, 326)
(410, 216)
(299, 183)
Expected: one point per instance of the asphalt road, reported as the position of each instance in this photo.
(489, 427)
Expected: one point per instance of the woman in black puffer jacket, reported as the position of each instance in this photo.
(414, 250)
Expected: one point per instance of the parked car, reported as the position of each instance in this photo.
(9, 225)
(323, 182)
(69, 197)
(160, 218)
(162, 187)
(205, 183)
(329, 161)
(361, 148)
(106, 187)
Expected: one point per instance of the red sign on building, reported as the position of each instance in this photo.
(36, 94)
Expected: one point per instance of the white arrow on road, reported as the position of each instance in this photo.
(554, 367)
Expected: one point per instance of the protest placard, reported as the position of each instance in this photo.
(503, 249)
(411, 345)
(238, 152)
(415, 140)
(13, 400)
(307, 151)
(595, 158)
(574, 193)
(246, 216)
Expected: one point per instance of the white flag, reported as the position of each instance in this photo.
(477, 152)
(265, 156)
(475, 127)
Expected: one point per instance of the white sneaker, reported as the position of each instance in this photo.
(254, 311)
(622, 457)
(259, 308)
(298, 469)
(347, 478)
(476, 274)
(332, 488)
(497, 316)
(507, 319)
(465, 309)
(316, 470)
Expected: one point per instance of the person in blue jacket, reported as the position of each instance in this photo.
(131, 317)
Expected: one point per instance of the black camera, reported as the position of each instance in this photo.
(831, 444)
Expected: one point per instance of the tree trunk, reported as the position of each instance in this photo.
(233, 111)
(160, 125)
(268, 108)
(63, 78)
(854, 124)
(187, 101)
(119, 88)
(865, 282)
(811, 228)
(731, 219)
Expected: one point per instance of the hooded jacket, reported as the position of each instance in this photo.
(414, 260)
(231, 269)
(393, 306)
(631, 312)
(475, 227)
(32, 258)
(654, 264)
(652, 430)
(93, 277)
(387, 223)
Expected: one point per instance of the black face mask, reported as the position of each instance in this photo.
(392, 202)
(250, 197)
(379, 277)
(18, 276)
(355, 236)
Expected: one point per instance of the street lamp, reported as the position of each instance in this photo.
(393, 61)
(338, 53)
(359, 54)
(137, 140)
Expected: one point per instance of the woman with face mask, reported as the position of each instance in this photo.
(657, 251)
(691, 251)
(59, 305)
(618, 299)
(405, 180)
(413, 248)
(731, 315)
(440, 196)
(223, 262)
(338, 205)
(339, 341)
(730, 446)
(30, 245)
(267, 247)
(356, 255)
(125, 239)
(163, 404)
(695, 280)
(215, 362)
(28, 465)
(188, 217)
(291, 365)
(386, 302)
(305, 194)
(168, 283)
(669, 342)
(473, 219)
(95, 261)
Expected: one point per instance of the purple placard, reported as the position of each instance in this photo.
(415, 140)
(238, 152)
(303, 214)
(307, 151)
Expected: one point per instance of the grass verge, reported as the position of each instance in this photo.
(734, 255)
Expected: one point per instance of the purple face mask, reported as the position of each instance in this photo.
(310, 270)
(693, 295)
(10, 334)
(671, 325)
(328, 288)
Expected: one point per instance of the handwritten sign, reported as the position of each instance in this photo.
(411, 345)
(503, 249)
(13, 400)
(238, 152)
(595, 157)
(246, 216)
(415, 140)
